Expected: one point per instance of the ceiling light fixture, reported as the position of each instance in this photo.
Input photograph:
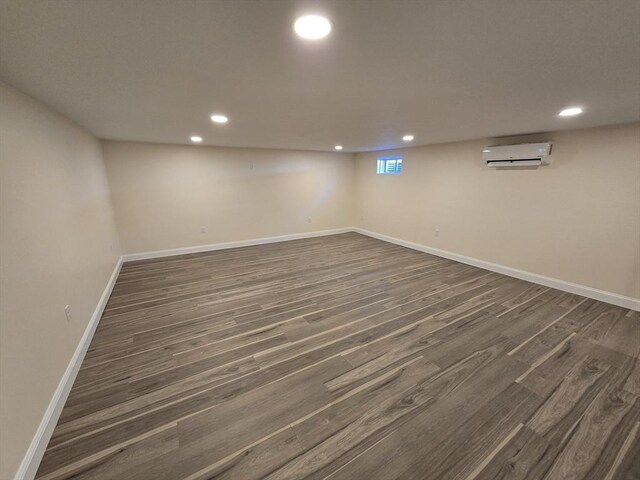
(196, 138)
(571, 111)
(338, 147)
(312, 27)
(218, 118)
(407, 138)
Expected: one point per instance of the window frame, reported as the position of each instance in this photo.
(384, 161)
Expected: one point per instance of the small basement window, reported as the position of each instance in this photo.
(389, 165)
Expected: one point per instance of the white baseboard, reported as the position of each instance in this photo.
(29, 465)
(31, 461)
(130, 257)
(601, 295)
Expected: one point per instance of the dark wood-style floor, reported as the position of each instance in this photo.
(345, 357)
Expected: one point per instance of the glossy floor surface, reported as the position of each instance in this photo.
(345, 357)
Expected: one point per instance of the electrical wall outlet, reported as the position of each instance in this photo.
(436, 233)
(67, 312)
(309, 220)
(203, 229)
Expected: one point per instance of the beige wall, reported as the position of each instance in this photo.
(164, 194)
(577, 220)
(56, 241)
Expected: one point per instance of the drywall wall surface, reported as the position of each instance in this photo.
(173, 196)
(576, 220)
(58, 246)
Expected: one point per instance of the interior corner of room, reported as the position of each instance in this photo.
(76, 204)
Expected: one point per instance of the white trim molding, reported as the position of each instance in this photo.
(31, 460)
(601, 295)
(130, 257)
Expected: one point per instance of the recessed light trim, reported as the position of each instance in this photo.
(219, 118)
(338, 147)
(196, 138)
(570, 112)
(312, 27)
(408, 138)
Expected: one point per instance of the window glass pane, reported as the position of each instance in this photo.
(389, 165)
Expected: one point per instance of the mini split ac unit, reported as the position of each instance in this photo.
(522, 155)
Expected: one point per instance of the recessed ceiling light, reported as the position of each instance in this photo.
(196, 138)
(569, 112)
(407, 138)
(338, 147)
(312, 27)
(218, 118)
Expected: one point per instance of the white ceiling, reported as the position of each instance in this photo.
(154, 70)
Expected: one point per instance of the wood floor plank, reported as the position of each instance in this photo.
(346, 357)
(567, 403)
(465, 450)
(590, 435)
(517, 458)
(614, 330)
(406, 449)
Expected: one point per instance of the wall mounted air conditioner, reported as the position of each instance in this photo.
(522, 155)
